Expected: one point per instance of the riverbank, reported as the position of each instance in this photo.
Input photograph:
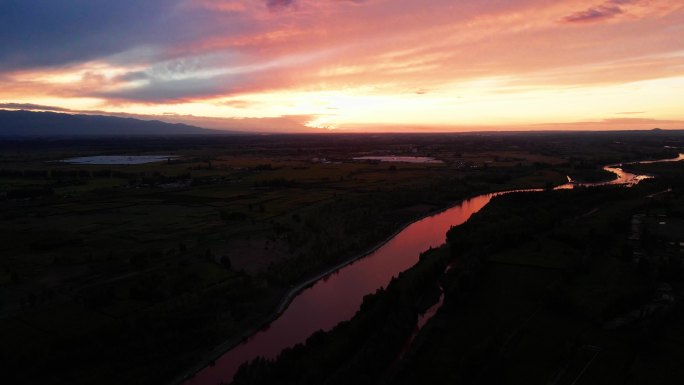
(229, 345)
(291, 294)
(213, 357)
(551, 235)
(622, 177)
(527, 321)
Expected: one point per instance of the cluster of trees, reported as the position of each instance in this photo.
(28, 192)
(326, 234)
(363, 349)
(173, 316)
(590, 228)
(276, 183)
(56, 173)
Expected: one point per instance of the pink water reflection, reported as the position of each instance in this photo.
(337, 297)
(330, 301)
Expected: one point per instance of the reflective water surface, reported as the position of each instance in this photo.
(338, 296)
(119, 159)
(402, 159)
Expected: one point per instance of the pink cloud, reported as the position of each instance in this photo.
(230, 48)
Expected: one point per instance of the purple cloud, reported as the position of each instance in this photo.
(607, 10)
(279, 4)
(601, 12)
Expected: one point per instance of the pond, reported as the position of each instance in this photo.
(400, 159)
(119, 159)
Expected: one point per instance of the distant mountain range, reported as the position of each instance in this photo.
(50, 124)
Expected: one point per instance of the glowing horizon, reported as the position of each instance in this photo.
(364, 65)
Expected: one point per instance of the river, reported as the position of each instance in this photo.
(337, 296)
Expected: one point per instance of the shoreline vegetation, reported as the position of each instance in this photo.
(292, 294)
(289, 297)
(300, 362)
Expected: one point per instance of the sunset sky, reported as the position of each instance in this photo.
(350, 65)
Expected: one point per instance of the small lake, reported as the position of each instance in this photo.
(119, 159)
(400, 159)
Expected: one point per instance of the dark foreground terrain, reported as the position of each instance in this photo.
(560, 287)
(116, 274)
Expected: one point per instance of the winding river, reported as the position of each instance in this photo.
(338, 295)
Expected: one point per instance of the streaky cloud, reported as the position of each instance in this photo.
(32, 107)
(593, 14)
